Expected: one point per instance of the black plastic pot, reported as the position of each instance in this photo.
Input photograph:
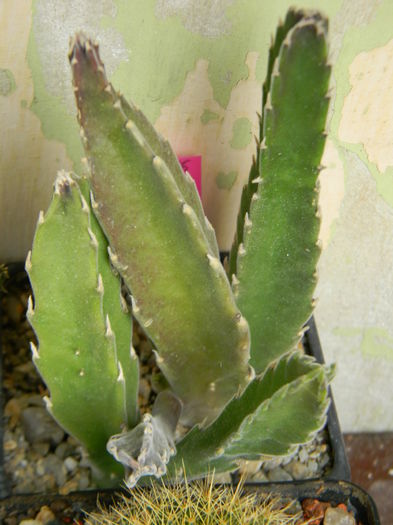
(73, 505)
(333, 487)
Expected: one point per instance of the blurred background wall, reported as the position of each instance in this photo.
(196, 69)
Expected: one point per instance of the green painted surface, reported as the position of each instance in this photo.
(357, 39)
(384, 181)
(225, 181)
(241, 133)
(375, 341)
(162, 51)
(7, 82)
(174, 51)
(57, 123)
(208, 115)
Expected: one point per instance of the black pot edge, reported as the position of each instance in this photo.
(340, 469)
(335, 492)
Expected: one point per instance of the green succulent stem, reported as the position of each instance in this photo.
(279, 223)
(181, 295)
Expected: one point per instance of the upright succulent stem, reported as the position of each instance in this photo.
(77, 354)
(181, 295)
(276, 259)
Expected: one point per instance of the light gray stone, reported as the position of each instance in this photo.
(278, 474)
(70, 464)
(297, 470)
(38, 426)
(335, 516)
(54, 465)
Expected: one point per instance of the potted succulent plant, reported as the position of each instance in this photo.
(130, 240)
(139, 217)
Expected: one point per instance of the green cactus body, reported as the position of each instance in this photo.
(181, 295)
(276, 260)
(284, 407)
(184, 181)
(116, 308)
(77, 348)
(250, 188)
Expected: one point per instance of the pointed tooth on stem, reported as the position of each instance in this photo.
(48, 403)
(251, 373)
(93, 238)
(134, 306)
(28, 262)
(276, 70)
(34, 351)
(235, 280)
(30, 309)
(120, 377)
(242, 322)
(108, 329)
(268, 103)
(159, 359)
(94, 204)
(187, 210)
(241, 250)
(85, 206)
(123, 304)
(214, 262)
(247, 222)
(100, 285)
(133, 129)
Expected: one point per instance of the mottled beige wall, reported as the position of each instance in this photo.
(196, 68)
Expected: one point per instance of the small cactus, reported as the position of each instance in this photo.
(204, 502)
(137, 221)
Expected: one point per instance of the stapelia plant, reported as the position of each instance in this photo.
(224, 341)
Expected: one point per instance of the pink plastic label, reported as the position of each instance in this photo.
(194, 167)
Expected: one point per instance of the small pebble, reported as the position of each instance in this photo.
(70, 464)
(250, 467)
(312, 466)
(84, 480)
(303, 455)
(63, 450)
(53, 465)
(41, 449)
(39, 426)
(338, 516)
(144, 388)
(10, 445)
(14, 308)
(278, 474)
(69, 486)
(297, 470)
(45, 516)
